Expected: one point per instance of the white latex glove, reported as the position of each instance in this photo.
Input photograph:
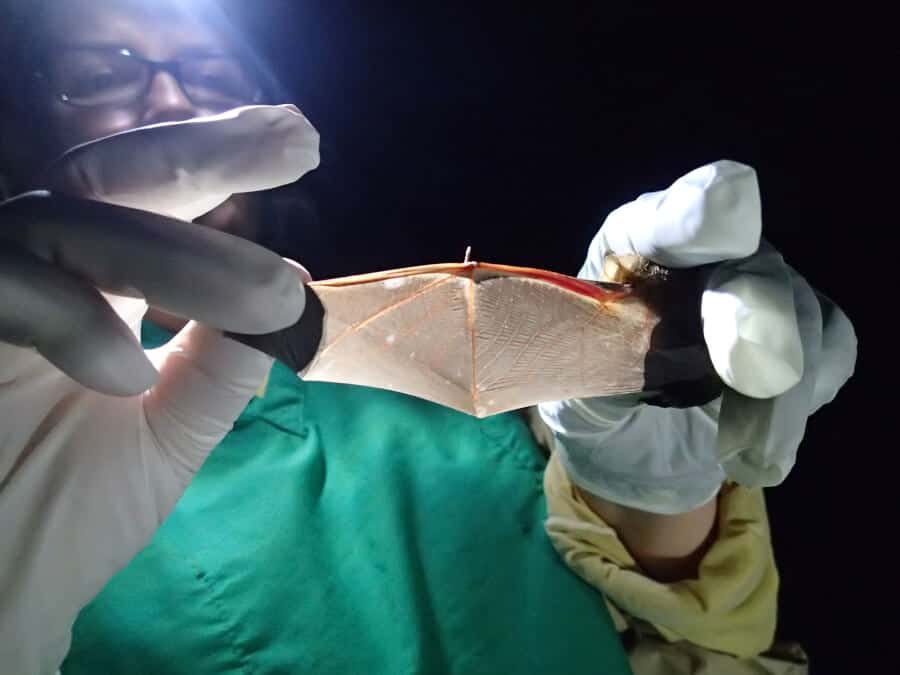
(188, 168)
(781, 349)
(88, 474)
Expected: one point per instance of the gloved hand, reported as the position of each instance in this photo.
(96, 445)
(781, 349)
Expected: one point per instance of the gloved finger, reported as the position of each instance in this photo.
(837, 361)
(70, 324)
(195, 272)
(758, 437)
(758, 440)
(750, 325)
(711, 214)
(206, 381)
(185, 169)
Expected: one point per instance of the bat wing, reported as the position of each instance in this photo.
(481, 338)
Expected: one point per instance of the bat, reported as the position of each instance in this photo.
(485, 338)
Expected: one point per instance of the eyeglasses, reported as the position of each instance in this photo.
(109, 76)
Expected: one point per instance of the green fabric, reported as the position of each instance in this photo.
(348, 530)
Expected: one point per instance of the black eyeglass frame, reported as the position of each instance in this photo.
(172, 67)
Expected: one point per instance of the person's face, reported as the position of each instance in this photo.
(93, 88)
(96, 82)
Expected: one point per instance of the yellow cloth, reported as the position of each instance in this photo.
(261, 392)
(731, 607)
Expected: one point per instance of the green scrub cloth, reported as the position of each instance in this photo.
(352, 531)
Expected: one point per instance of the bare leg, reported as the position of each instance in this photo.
(667, 547)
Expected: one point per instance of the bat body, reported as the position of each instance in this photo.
(484, 338)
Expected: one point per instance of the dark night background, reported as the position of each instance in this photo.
(517, 129)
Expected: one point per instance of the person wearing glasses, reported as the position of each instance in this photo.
(101, 75)
(210, 525)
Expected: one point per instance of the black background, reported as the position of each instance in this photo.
(516, 129)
